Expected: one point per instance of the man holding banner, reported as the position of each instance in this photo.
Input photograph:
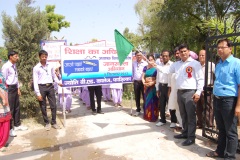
(98, 92)
(43, 75)
(124, 47)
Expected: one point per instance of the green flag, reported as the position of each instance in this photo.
(124, 47)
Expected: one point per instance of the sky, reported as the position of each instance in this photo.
(89, 18)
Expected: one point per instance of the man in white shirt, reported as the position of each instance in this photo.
(43, 77)
(172, 92)
(162, 90)
(10, 73)
(189, 82)
(137, 79)
(200, 103)
(159, 59)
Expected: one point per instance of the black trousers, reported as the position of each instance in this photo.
(224, 110)
(138, 90)
(97, 90)
(13, 100)
(49, 93)
(163, 100)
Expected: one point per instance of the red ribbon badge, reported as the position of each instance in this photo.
(189, 71)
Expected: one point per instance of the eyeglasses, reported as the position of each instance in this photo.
(222, 47)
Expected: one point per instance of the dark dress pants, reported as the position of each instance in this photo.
(97, 90)
(187, 108)
(48, 92)
(13, 100)
(224, 110)
(163, 100)
(138, 91)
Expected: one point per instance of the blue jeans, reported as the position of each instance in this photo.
(224, 109)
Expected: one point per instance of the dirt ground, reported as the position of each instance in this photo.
(113, 135)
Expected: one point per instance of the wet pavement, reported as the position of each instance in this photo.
(113, 135)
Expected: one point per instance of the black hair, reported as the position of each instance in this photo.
(150, 55)
(42, 52)
(229, 43)
(167, 52)
(137, 52)
(176, 49)
(11, 53)
(181, 46)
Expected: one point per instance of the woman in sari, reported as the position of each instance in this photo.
(150, 97)
(5, 114)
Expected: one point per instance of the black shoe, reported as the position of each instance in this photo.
(180, 136)
(188, 142)
(94, 112)
(100, 112)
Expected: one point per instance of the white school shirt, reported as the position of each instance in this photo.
(43, 75)
(9, 72)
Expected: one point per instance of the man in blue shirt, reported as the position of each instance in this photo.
(226, 102)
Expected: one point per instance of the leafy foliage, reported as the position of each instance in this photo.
(3, 53)
(216, 26)
(166, 24)
(23, 34)
(55, 21)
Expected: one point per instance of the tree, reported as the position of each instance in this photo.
(94, 40)
(216, 26)
(55, 21)
(133, 38)
(3, 53)
(166, 24)
(23, 34)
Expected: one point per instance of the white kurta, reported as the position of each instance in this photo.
(172, 101)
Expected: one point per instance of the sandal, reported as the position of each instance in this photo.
(212, 154)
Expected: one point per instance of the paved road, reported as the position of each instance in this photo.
(113, 135)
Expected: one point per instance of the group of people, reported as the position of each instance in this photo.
(9, 99)
(179, 86)
(46, 84)
(43, 76)
(109, 93)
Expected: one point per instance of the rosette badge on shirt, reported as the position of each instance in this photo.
(189, 71)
